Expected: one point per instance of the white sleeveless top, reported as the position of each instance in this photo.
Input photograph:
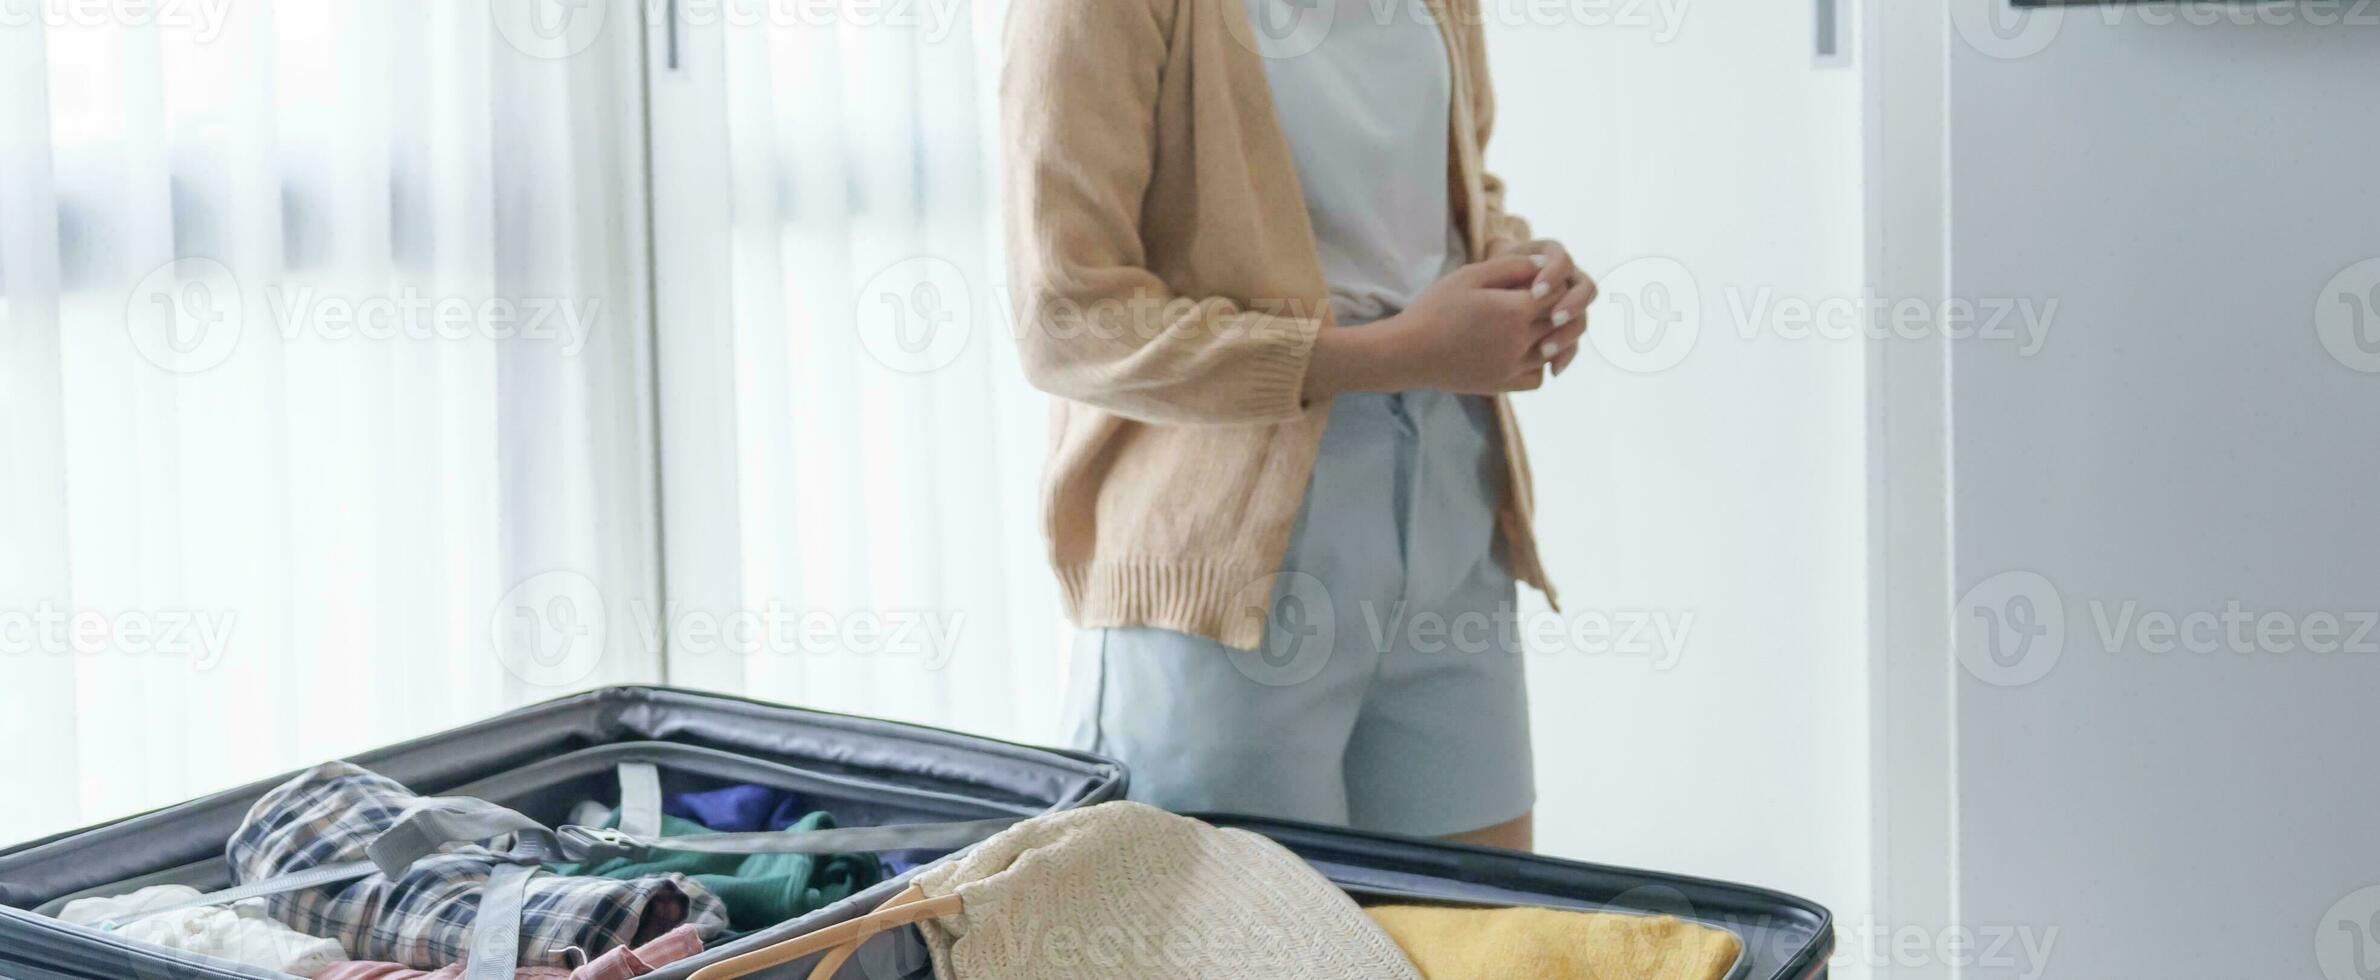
(1364, 99)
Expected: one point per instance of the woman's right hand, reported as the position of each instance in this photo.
(1479, 330)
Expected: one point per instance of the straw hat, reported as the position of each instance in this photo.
(1124, 889)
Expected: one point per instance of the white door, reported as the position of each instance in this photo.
(1700, 703)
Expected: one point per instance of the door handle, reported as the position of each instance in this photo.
(1827, 21)
(670, 37)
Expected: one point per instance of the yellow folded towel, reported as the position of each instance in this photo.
(1551, 944)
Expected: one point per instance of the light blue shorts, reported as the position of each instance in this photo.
(1388, 693)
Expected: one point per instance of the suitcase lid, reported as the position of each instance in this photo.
(925, 758)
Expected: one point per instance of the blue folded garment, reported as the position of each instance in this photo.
(737, 809)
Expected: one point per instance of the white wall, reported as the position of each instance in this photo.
(2183, 442)
(1727, 488)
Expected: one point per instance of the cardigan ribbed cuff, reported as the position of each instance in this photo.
(1271, 387)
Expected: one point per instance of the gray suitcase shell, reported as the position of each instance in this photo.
(543, 758)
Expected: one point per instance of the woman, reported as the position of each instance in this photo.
(1281, 305)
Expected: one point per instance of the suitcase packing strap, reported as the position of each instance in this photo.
(839, 941)
(495, 941)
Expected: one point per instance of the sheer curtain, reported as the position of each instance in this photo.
(871, 543)
(323, 361)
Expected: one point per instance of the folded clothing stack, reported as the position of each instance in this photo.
(760, 890)
(1496, 943)
(242, 933)
(423, 918)
(608, 919)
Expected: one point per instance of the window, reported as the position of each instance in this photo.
(370, 367)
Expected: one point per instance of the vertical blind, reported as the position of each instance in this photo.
(889, 555)
(323, 338)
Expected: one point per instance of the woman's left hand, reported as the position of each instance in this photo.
(1566, 322)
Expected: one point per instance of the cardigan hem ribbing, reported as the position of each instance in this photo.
(1222, 600)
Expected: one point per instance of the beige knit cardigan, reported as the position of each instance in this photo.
(1167, 289)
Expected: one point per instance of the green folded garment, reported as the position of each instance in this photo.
(760, 890)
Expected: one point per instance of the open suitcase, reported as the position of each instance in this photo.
(542, 759)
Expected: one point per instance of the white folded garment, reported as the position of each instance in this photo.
(242, 932)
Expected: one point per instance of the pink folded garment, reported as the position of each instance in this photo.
(620, 963)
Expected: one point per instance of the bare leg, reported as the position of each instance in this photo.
(1513, 835)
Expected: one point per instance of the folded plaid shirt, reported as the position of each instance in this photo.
(423, 919)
